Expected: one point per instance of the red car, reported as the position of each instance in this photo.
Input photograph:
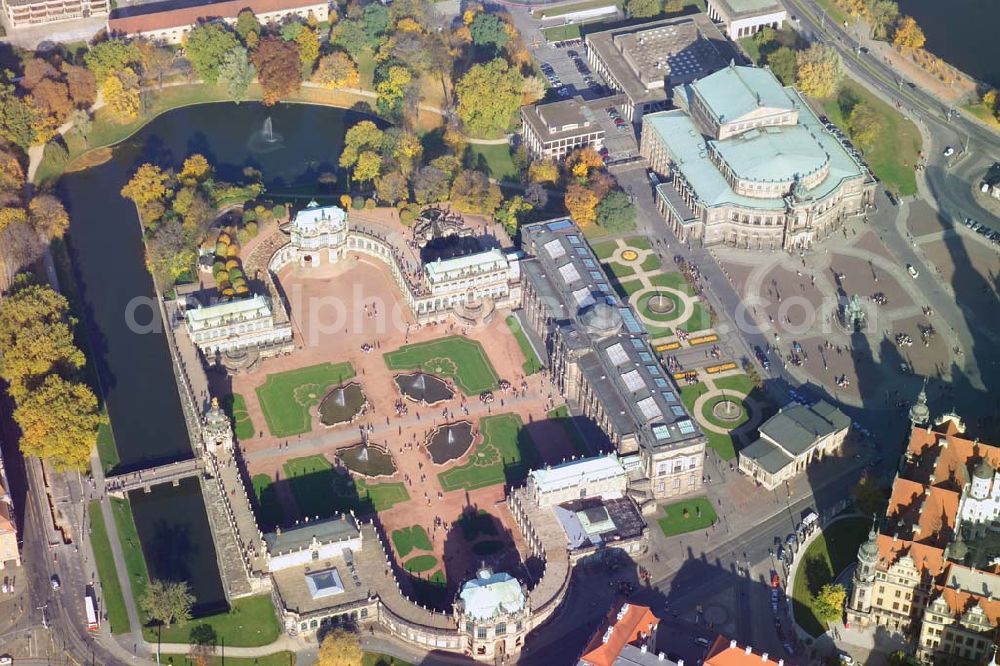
(775, 579)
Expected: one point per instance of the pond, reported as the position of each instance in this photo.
(129, 347)
(963, 32)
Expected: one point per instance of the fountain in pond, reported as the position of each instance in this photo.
(421, 387)
(450, 441)
(367, 459)
(342, 405)
(265, 139)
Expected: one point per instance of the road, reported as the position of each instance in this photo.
(950, 189)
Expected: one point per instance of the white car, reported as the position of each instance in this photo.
(6, 659)
(55, 582)
(949, 151)
(914, 273)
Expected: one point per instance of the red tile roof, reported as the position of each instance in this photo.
(925, 514)
(725, 652)
(183, 17)
(635, 623)
(944, 458)
(928, 559)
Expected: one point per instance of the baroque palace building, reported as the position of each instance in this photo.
(929, 571)
(747, 163)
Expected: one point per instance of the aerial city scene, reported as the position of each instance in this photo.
(546, 332)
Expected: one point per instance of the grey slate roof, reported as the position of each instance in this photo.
(770, 457)
(798, 427)
(301, 535)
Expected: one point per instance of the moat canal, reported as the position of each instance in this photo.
(134, 361)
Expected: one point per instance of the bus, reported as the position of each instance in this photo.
(93, 621)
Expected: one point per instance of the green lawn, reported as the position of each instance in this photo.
(407, 539)
(642, 305)
(700, 515)
(605, 249)
(268, 507)
(366, 69)
(639, 243)
(420, 563)
(463, 360)
(383, 496)
(829, 554)
(561, 33)
(651, 263)
(618, 270)
(250, 622)
(112, 599)
(833, 11)
(106, 449)
(376, 659)
(576, 7)
(493, 159)
(531, 363)
(750, 47)
(505, 454)
(313, 480)
(980, 111)
(562, 414)
(285, 658)
(897, 149)
(673, 281)
(739, 383)
(135, 563)
(286, 397)
(690, 394)
(699, 319)
(236, 406)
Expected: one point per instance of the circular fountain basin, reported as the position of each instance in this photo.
(727, 410)
(449, 441)
(421, 387)
(367, 460)
(342, 404)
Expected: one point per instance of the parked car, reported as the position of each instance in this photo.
(54, 581)
(702, 641)
(775, 579)
(949, 151)
(914, 273)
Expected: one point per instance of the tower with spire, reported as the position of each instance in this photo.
(863, 581)
(920, 413)
(216, 430)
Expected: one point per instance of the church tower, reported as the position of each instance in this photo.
(216, 430)
(860, 606)
(920, 413)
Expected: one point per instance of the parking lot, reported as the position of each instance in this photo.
(566, 69)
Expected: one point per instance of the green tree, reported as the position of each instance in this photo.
(18, 117)
(36, 337)
(290, 31)
(237, 72)
(279, 68)
(392, 188)
(392, 89)
(82, 123)
(110, 56)
(206, 46)
(882, 15)
(511, 213)
(783, 63)
(308, 43)
(616, 212)
(829, 602)
(869, 497)
(167, 602)
(643, 8)
(246, 22)
(472, 192)
(865, 125)
(489, 29)
(350, 36)
(488, 97)
(368, 167)
(58, 420)
(364, 135)
(340, 647)
(819, 71)
(375, 21)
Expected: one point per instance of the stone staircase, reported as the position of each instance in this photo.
(234, 576)
(640, 490)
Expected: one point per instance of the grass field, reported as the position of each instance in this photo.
(493, 159)
(980, 111)
(700, 515)
(833, 11)
(896, 151)
(561, 33)
(618, 270)
(113, 600)
(576, 7)
(407, 539)
(135, 562)
(720, 443)
(829, 554)
(383, 496)
(313, 480)
(268, 507)
(672, 280)
(106, 449)
(651, 263)
(420, 563)
(739, 383)
(236, 407)
(250, 622)
(505, 454)
(562, 414)
(286, 397)
(276, 659)
(531, 363)
(463, 360)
